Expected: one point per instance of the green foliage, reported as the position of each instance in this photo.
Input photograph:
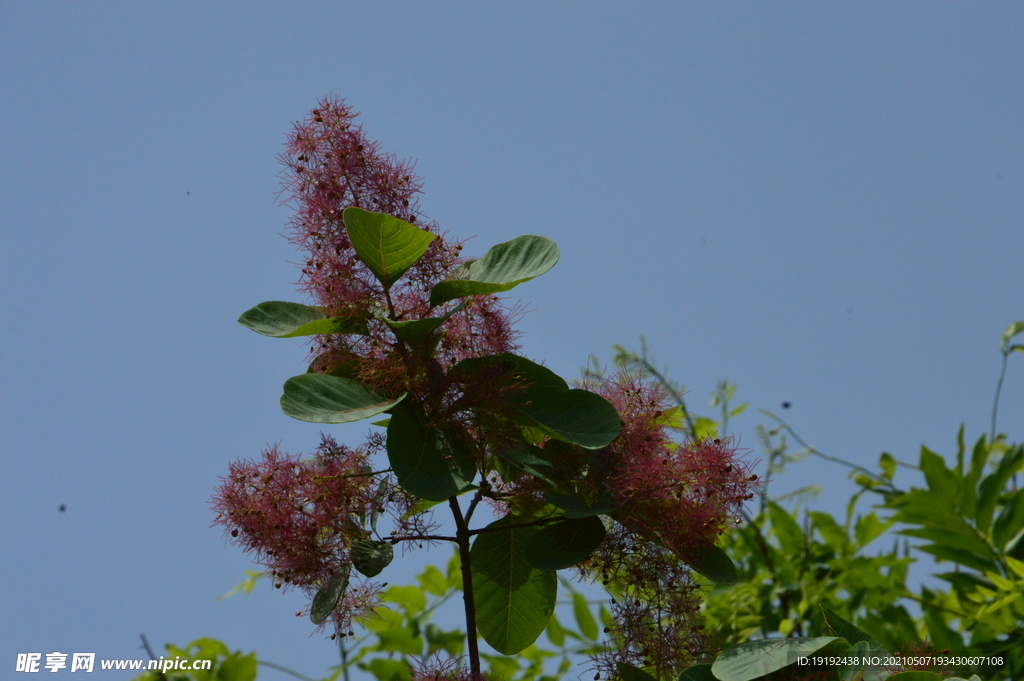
(514, 600)
(502, 268)
(320, 398)
(225, 665)
(326, 599)
(426, 461)
(387, 245)
(279, 319)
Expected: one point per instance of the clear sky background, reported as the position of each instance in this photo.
(821, 202)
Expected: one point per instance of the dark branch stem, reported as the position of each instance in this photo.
(463, 533)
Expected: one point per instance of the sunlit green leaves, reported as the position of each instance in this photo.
(371, 557)
(279, 319)
(385, 244)
(326, 599)
(319, 398)
(425, 459)
(514, 600)
(564, 543)
(503, 267)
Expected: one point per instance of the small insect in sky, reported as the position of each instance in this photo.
(63, 508)
(785, 405)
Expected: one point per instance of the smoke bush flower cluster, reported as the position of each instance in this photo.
(462, 404)
(298, 516)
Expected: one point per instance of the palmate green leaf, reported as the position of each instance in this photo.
(320, 398)
(326, 599)
(565, 543)
(503, 267)
(280, 319)
(514, 600)
(387, 245)
(424, 459)
(371, 557)
(715, 564)
(754, 659)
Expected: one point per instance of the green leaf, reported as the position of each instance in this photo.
(514, 600)
(628, 672)
(565, 543)
(505, 266)
(713, 563)
(371, 557)
(525, 371)
(754, 659)
(385, 244)
(319, 398)
(574, 508)
(843, 629)
(578, 416)
(555, 632)
(418, 329)
(279, 319)
(1012, 330)
(992, 486)
(698, 672)
(940, 479)
(326, 599)
(869, 528)
(426, 504)
(786, 529)
(423, 459)
(887, 462)
(584, 619)
(433, 581)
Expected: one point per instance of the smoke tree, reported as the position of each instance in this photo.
(584, 477)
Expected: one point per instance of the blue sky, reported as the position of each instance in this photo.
(821, 202)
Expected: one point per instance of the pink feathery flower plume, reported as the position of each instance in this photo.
(332, 165)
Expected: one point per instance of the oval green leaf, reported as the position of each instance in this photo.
(565, 543)
(423, 459)
(578, 416)
(698, 672)
(418, 329)
(319, 398)
(713, 563)
(387, 245)
(326, 599)
(628, 672)
(505, 266)
(574, 508)
(371, 557)
(514, 600)
(754, 659)
(280, 319)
